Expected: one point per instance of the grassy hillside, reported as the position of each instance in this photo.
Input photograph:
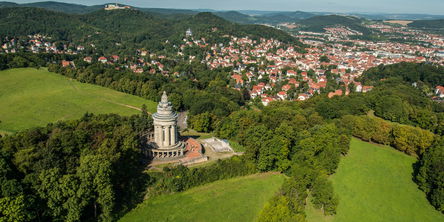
(31, 97)
(374, 183)
(238, 199)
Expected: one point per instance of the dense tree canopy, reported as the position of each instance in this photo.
(132, 29)
(430, 74)
(74, 170)
(430, 176)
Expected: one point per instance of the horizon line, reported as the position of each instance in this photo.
(236, 10)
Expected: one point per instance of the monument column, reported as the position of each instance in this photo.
(167, 136)
(173, 134)
(160, 135)
(157, 134)
(163, 135)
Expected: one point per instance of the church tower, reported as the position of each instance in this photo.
(166, 139)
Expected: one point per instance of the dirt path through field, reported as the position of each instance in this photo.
(126, 105)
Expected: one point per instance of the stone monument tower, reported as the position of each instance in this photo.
(166, 139)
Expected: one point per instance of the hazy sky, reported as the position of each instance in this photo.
(386, 6)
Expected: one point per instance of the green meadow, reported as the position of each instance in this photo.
(237, 199)
(374, 183)
(34, 97)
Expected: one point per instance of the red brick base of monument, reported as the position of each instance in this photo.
(193, 152)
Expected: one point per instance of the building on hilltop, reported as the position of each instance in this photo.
(189, 33)
(164, 144)
(115, 7)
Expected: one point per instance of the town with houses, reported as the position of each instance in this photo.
(271, 70)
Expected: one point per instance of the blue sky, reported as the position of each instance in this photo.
(384, 6)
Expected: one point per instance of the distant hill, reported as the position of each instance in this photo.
(168, 11)
(318, 23)
(297, 15)
(8, 4)
(381, 16)
(210, 20)
(428, 24)
(232, 16)
(238, 17)
(83, 9)
(23, 21)
(267, 18)
(56, 6)
(247, 16)
(134, 28)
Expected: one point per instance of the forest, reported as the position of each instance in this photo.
(428, 74)
(429, 25)
(80, 170)
(125, 31)
(318, 23)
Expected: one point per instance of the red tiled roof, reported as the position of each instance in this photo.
(286, 87)
(335, 93)
(193, 149)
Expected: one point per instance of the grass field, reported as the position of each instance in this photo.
(238, 199)
(374, 183)
(31, 97)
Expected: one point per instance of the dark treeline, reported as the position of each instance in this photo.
(411, 140)
(180, 178)
(430, 175)
(422, 73)
(25, 59)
